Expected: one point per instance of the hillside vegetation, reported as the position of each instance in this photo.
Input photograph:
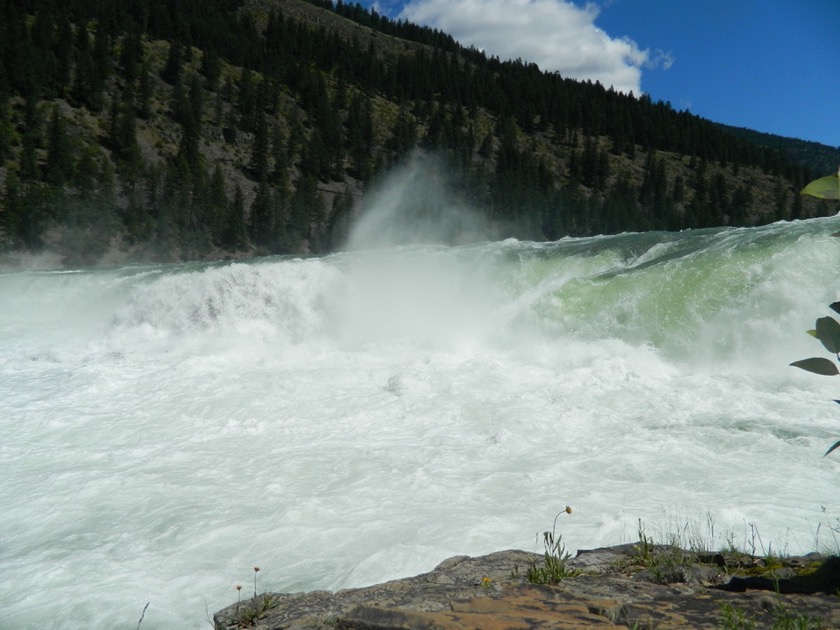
(182, 130)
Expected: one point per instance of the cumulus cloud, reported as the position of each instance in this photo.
(555, 34)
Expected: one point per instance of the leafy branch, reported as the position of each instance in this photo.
(827, 329)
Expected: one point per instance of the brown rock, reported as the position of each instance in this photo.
(613, 590)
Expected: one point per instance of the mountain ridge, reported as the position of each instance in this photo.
(229, 129)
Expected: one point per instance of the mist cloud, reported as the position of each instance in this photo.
(415, 204)
(554, 34)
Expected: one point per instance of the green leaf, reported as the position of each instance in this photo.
(817, 365)
(836, 305)
(813, 333)
(833, 446)
(824, 188)
(828, 332)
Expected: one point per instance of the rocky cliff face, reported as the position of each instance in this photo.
(616, 587)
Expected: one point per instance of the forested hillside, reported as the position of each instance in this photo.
(820, 158)
(188, 129)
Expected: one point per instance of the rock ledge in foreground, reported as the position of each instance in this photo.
(613, 590)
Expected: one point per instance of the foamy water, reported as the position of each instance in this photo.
(345, 420)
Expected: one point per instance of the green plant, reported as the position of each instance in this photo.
(644, 550)
(786, 619)
(247, 616)
(827, 329)
(736, 618)
(555, 559)
(824, 188)
(783, 619)
(834, 528)
(669, 563)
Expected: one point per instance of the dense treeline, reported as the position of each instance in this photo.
(819, 158)
(188, 128)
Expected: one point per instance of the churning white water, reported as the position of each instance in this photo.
(345, 420)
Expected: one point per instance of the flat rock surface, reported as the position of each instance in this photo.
(616, 587)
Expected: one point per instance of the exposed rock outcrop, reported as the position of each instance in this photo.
(615, 587)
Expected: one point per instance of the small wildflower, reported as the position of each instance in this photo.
(485, 582)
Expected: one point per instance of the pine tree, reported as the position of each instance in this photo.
(280, 172)
(192, 110)
(29, 170)
(87, 174)
(124, 136)
(145, 91)
(59, 166)
(247, 101)
(261, 225)
(259, 153)
(63, 49)
(171, 72)
(360, 136)
(87, 89)
(235, 233)
(6, 129)
(131, 57)
(102, 51)
(12, 216)
(211, 69)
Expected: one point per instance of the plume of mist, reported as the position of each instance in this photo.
(415, 204)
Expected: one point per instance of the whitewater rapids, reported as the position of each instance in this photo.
(345, 420)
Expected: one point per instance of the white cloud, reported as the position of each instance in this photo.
(660, 59)
(554, 34)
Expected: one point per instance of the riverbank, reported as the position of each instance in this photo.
(635, 585)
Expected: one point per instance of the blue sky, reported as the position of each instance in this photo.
(769, 65)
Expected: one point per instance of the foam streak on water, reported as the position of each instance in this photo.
(346, 420)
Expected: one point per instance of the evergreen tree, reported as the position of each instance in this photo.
(145, 91)
(87, 87)
(259, 153)
(131, 57)
(102, 52)
(63, 49)
(247, 101)
(7, 132)
(124, 136)
(192, 110)
(87, 173)
(403, 134)
(360, 136)
(235, 233)
(211, 69)
(261, 223)
(59, 166)
(315, 160)
(299, 218)
(172, 70)
(280, 173)
(12, 216)
(740, 207)
(217, 205)
(29, 170)
(297, 136)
